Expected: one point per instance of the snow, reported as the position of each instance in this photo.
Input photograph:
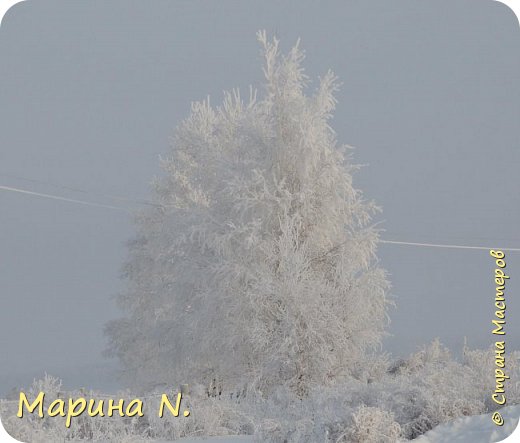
(475, 429)
(229, 439)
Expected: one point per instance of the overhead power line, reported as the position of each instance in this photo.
(434, 245)
(65, 199)
(82, 191)
(120, 208)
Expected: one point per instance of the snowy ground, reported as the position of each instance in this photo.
(235, 439)
(476, 429)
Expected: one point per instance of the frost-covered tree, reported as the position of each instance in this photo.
(258, 264)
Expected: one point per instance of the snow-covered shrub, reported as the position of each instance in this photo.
(412, 397)
(372, 425)
(481, 364)
(434, 355)
(445, 389)
(210, 416)
(447, 385)
(32, 428)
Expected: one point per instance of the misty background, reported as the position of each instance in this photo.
(90, 93)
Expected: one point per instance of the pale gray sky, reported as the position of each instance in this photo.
(91, 91)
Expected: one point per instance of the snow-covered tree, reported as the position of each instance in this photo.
(258, 264)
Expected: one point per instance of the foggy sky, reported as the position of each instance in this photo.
(91, 91)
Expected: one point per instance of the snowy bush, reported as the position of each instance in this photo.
(32, 428)
(481, 364)
(430, 388)
(372, 425)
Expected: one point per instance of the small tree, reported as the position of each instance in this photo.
(258, 265)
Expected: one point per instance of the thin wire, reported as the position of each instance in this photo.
(119, 208)
(434, 245)
(83, 191)
(57, 197)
